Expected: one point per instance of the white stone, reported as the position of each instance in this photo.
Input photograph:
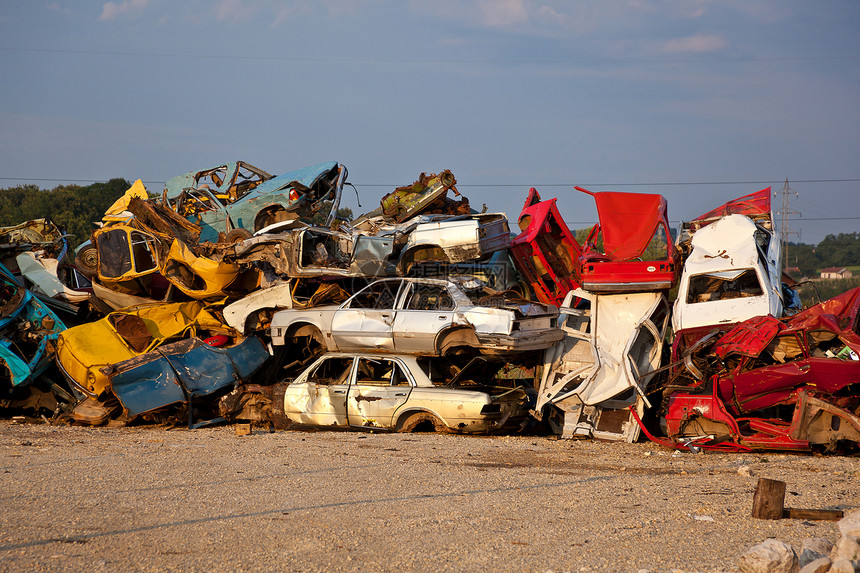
(770, 556)
(745, 471)
(848, 547)
(821, 565)
(850, 524)
(841, 565)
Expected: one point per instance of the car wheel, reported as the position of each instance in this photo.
(420, 422)
(237, 235)
(87, 261)
(310, 344)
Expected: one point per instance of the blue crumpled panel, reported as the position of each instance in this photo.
(166, 375)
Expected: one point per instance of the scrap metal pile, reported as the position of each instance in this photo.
(238, 295)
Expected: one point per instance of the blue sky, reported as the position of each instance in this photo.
(700, 101)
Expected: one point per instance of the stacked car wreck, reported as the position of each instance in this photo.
(239, 295)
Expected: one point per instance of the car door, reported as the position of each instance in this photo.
(380, 386)
(365, 320)
(319, 398)
(427, 309)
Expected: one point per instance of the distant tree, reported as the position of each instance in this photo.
(75, 208)
(842, 250)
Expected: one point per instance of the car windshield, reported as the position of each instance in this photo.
(723, 286)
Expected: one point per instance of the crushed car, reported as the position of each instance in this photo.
(423, 316)
(153, 250)
(629, 250)
(592, 377)
(405, 394)
(392, 249)
(545, 252)
(183, 373)
(637, 253)
(38, 250)
(83, 352)
(770, 383)
(27, 327)
(732, 271)
(238, 195)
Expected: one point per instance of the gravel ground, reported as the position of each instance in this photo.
(151, 499)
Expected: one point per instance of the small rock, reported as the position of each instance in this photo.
(848, 547)
(745, 471)
(813, 549)
(770, 556)
(703, 518)
(821, 565)
(850, 524)
(841, 565)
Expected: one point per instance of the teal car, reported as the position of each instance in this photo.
(27, 327)
(237, 195)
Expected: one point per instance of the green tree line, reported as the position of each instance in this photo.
(75, 208)
(842, 250)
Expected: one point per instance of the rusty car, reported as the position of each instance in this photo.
(405, 394)
(423, 316)
(27, 328)
(384, 250)
(595, 373)
(237, 195)
(732, 272)
(769, 383)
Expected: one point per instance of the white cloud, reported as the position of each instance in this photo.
(111, 10)
(228, 10)
(699, 43)
(503, 13)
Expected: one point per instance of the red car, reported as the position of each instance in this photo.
(769, 383)
(630, 250)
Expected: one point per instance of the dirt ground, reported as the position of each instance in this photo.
(153, 499)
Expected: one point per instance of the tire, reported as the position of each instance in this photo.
(87, 261)
(418, 422)
(237, 235)
(307, 344)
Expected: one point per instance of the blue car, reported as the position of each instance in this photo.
(238, 195)
(27, 327)
(182, 371)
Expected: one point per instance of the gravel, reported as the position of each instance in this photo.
(153, 499)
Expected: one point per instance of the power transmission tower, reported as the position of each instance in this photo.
(785, 214)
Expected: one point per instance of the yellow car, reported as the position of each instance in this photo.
(83, 350)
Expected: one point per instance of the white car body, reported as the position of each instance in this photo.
(732, 274)
(598, 366)
(393, 392)
(422, 316)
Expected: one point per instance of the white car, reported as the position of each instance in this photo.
(404, 394)
(423, 316)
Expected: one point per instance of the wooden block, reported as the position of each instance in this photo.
(769, 499)
(243, 429)
(819, 514)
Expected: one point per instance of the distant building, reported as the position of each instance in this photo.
(791, 273)
(836, 273)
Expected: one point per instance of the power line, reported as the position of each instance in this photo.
(520, 185)
(739, 59)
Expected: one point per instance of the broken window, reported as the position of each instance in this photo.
(723, 286)
(429, 297)
(113, 249)
(380, 295)
(331, 371)
(325, 250)
(380, 372)
(658, 247)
